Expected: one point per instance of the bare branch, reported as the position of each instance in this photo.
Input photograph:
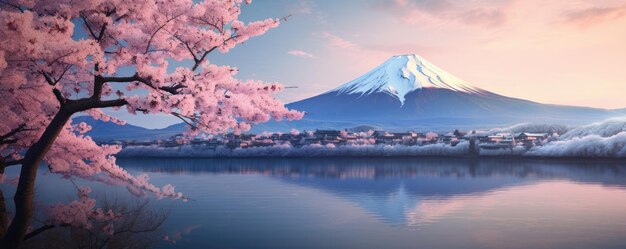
(48, 78)
(120, 17)
(53, 82)
(188, 120)
(88, 26)
(193, 54)
(110, 103)
(65, 69)
(158, 29)
(136, 77)
(97, 37)
(43, 229)
(19, 128)
(101, 34)
(197, 64)
(11, 163)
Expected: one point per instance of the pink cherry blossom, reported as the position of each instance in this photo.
(47, 76)
(80, 213)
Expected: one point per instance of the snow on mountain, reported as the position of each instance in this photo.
(402, 74)
(407, 92)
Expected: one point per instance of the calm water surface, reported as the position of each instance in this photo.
(386, 203)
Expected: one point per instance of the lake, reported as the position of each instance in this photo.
(382, 202)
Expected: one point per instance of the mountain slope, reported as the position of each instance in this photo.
(408, 92)
(402, 74)
(107, 131)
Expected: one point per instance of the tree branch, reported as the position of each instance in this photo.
(8, 141)
(88, 26)
(90, 103)
(158, 29)
(98, 83)
(4, 217)
(11, 163)
(59, 96)
(110, 103)
(193, 54)
(184, 119)
(42, 229)
(12, 5)
(21, 127)
(136, 77)
(198, 61)
(48, 78)
(101, 34)
(53, 82)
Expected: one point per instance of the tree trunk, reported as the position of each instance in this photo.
(4, 216)
(25, 192)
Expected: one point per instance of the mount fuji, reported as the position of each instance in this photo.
(407, 92)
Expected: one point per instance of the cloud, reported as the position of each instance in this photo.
(367, 56)
(356, 57)
(469, 13)
(337, 41)
(300, 53)
(483, 17)
(307, 8)
(300, 7)
(590, 16)
(373, 53)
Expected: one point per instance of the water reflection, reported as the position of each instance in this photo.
(378, 202)
(605, 171)
(405, 192)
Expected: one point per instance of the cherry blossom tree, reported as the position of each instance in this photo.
(138, 227)
(48, 73)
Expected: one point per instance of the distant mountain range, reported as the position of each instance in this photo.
(406, 92)
(107, 131)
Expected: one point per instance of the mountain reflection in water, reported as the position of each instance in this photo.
(406, 191)
(377, 202)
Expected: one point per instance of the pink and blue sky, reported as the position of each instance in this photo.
(570, 52)
(563, 51)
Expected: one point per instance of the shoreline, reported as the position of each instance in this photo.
(588, 148)
(468, 157)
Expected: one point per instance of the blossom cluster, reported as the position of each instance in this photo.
(49, 72)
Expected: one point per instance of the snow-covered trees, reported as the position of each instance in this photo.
(49, 73)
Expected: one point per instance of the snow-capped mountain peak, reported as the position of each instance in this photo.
(402, 74)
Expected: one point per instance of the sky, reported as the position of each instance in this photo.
(569, 52)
